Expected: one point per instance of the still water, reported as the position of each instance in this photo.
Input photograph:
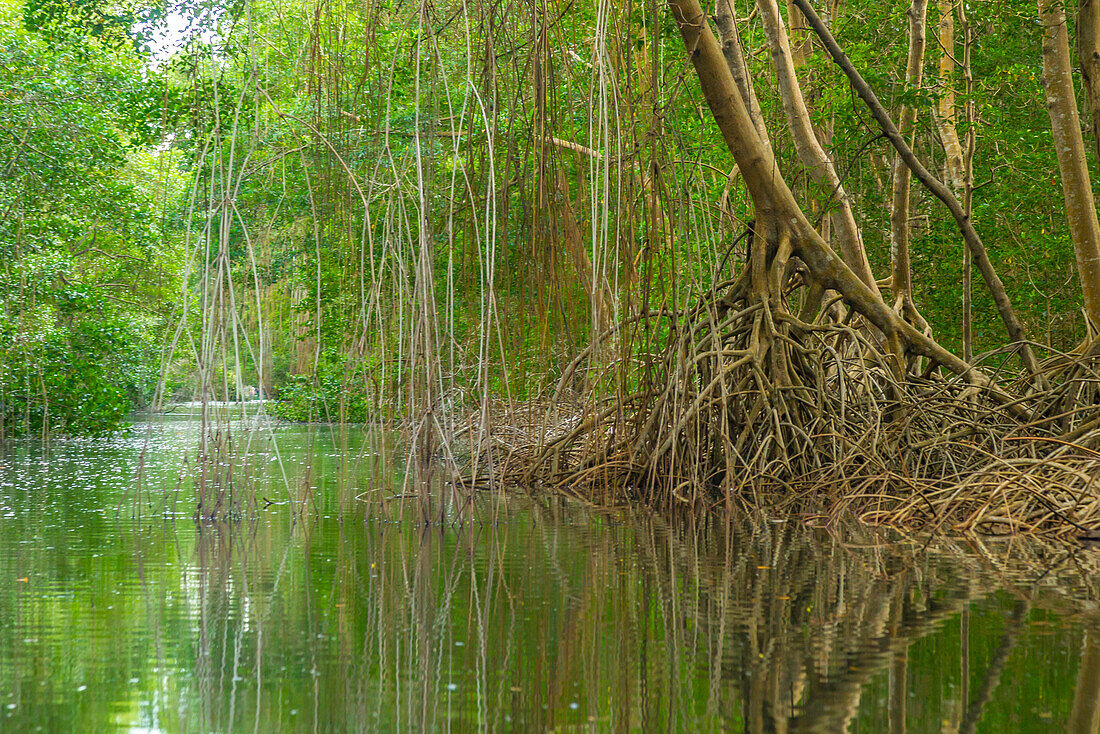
(331, 608)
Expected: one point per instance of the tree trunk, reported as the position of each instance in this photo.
(809, 149)
(1088, 53)
(968, 180)
(773, 200)
(1084, 229)
(734, 53)
(941, 192)
(945, 120)
(955, 160)
(899, 211)
(800, 45)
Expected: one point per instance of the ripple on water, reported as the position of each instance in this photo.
(119, 612)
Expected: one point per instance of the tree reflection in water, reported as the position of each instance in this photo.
(558, 618)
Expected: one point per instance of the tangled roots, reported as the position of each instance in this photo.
(755, 407)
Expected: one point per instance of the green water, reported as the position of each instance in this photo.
(329, 608)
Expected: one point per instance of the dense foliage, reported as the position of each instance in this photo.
(89, 271)
(362, 209)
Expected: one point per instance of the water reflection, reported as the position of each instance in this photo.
(536, 615)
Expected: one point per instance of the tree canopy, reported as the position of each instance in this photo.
(374, 209)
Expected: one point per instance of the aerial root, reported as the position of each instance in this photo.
(749, 405)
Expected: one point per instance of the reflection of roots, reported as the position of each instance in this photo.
(753, 406)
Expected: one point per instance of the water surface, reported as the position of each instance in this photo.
(327, 606)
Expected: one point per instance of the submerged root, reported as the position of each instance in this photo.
(748, 405)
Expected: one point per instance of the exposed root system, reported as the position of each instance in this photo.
(748, 405)
(744, 400)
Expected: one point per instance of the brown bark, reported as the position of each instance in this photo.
(727, 105)
(902, 281)
(726, 22)
(955, 160)
(1084, 229)
(773, 199)
(809, 149)
(968, 180)
(1088, 53)
(945, 109)
(941, 192)
(800, 45)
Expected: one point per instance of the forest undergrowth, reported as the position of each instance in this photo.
(750, 407)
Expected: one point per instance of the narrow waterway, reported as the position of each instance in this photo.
(328, 607)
